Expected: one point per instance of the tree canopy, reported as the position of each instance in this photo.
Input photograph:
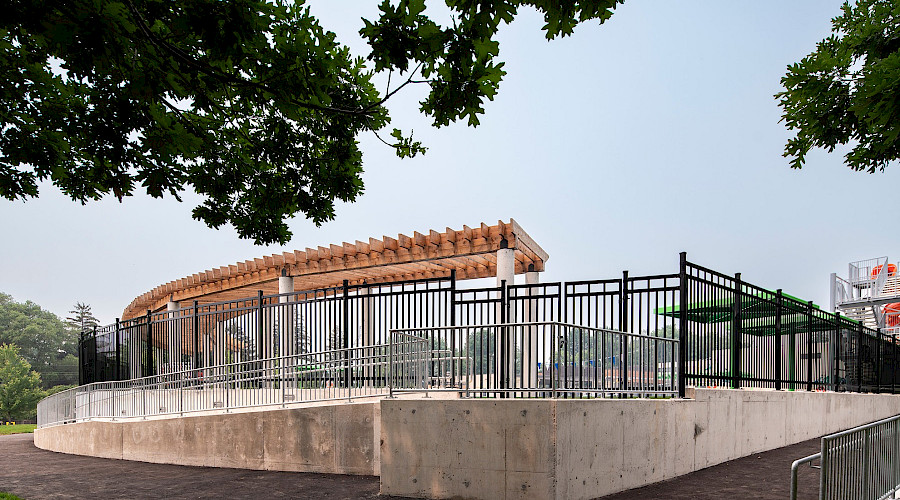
(20, 388)
(847, 92)
(82, 319)
(253, 105)
(42, 338)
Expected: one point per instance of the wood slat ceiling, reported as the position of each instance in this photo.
(471, 252)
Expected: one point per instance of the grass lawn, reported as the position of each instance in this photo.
(7, 496)
(15, 429)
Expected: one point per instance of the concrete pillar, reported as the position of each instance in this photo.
(506, 266)
(506, 272)
(531, 334)
(173, 339)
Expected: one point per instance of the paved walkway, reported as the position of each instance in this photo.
(35, 474)
(764, 476)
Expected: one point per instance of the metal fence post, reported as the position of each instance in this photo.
(196, 328)
(453, 331)
(81, 358)
(346, 333)
(825, 465)
(867, 465)
(737, 303)
(859, 338)
(778, 342)
(118, 356)
(260, 324)
(837, 350)
(623, 325)
(554, 342)
(149, 345)
(809, 346)
(504, 342)
(682, 323)
(879, 362)
(893, 364)
(390, 366)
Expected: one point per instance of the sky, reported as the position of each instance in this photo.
(615, 148)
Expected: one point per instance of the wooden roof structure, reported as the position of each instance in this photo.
(471, 252)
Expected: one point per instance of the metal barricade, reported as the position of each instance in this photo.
(862, 463)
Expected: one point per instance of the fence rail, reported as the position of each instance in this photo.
(862, 463)
(540, 359)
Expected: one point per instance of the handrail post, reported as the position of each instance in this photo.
(682, 323)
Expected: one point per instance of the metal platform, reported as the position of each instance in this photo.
(870, 294)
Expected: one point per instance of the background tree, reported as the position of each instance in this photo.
(253, 105)
(20, 388)
(848, 90)
(82, 319)
(42, 338)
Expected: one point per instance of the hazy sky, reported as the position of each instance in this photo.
(615, 149)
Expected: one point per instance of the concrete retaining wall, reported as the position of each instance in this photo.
(486, 448)
(335, 438)
(579, 449)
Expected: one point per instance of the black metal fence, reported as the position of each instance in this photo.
(731, 333)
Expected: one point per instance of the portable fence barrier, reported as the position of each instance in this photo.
(730, 333)
(862, 463)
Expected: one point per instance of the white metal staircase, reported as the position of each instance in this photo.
(870, 294)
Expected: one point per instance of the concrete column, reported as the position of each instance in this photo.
(506, 272)
(173, 339)
(506, 266)
(531, 340)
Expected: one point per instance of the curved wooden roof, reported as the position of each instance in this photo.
(471, 252)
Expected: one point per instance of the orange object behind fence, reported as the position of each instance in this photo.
(892, 313)
(891, 270)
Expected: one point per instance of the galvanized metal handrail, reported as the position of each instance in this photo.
(862, 463)
(335, 374)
